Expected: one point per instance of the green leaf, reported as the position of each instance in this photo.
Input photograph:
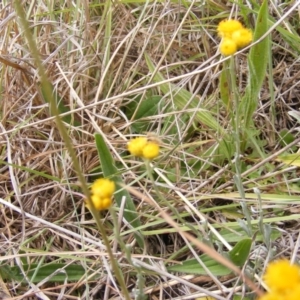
(140, 109)
(224, 87)
(70, 272)
(258, 60)
(109, 170)
(192, 266)
(239, 254)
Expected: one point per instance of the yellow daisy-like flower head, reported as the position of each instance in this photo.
(136, 146)
(227, 27)
(151, 150)
(228, 47)
(281, 276)
(103, 188)
(242, 37)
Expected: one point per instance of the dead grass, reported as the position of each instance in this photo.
(94, 57)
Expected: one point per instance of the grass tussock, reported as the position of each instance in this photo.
(201, 220)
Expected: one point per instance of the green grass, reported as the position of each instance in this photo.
(205, 217)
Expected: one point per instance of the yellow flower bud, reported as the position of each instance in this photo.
(101, 193)
(103, 188)
(227, 27)
(100, 203)
(228, 47)
(136, 146)
(151, 150)
(242, 37)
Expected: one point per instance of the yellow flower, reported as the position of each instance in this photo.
(101, 193)
(281, 276)
(234, 35)
(136, 146)
(103, 188)
(227, 27)
(228, 47)
(141, 147)
(242, 37)
(100, 203)
(151, 150)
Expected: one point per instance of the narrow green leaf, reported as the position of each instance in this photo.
(109, 170)
(257, 62)
(225, 87)
(192, 266)
(71, 272)
(239, 254)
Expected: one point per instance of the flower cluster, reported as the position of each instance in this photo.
(141, 147)
(283, 280)
(102, 189)
(101, 193)
(234, 36)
